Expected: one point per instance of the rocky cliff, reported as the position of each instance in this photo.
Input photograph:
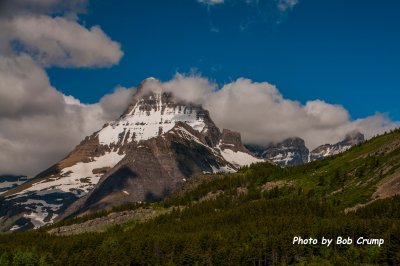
(289, 152)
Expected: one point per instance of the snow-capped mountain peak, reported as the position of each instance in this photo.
(151, 116)
(351, 139)
(155, 146)
(290, 152)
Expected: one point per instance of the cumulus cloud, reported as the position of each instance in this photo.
(60, 40)
(190, 89)
(114, 104)
(281, 5)
(38, 124)
(24, 88)
(261, 113)
(211, 2)
(200, 88)
(284, 5)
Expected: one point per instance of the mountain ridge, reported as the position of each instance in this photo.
(293, 151)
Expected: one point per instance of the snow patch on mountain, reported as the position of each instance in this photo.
(186, 134)
(236, 158)
(79, 178)
(39, 214)
(283, 159)
(289, 152)
(142, 124)
(9, 182)
(222, 169)
(239, 159)
(323, 151)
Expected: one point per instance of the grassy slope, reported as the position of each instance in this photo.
(345, 180)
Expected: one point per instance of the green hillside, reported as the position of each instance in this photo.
(250, 218)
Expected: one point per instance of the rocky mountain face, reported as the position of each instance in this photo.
(293, 151)
(150, 151)
(8, 182)
(233, 150)
(351, 139)
(289, 152)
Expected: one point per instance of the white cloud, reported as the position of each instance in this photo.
(38, 124)
(53, 37)
(114, 104)
(62, 42)
(200, 88)
(263, 115)
(284, 5)
(211, 2)
(25, 88)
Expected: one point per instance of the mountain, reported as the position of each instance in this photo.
(151, 150)
(323, 151)
(293, 151)
(8, 182)
(289, 152)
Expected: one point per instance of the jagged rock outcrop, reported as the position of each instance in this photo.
(323, 151)
(232, 140)
(8, 182)
(233, 150)
(293, 151)
(289, 152)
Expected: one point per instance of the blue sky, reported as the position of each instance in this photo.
(343, 52)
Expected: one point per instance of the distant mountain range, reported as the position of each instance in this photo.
(293, 151)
